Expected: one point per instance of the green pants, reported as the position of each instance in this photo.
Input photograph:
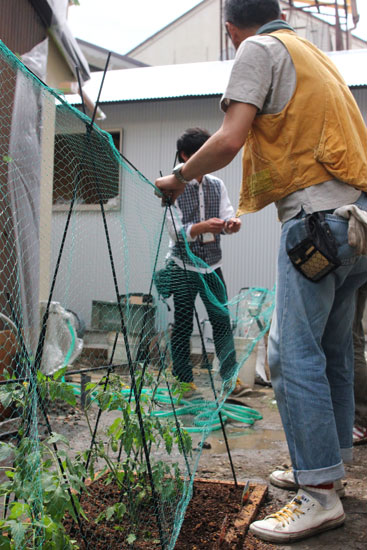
(186, 286)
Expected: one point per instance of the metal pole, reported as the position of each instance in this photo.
(125, 335)
(221, 22)
(339, 43)
(206, 360)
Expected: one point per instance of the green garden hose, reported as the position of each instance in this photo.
(205, 412)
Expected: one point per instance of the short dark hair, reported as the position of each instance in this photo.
(246, 14)
(191, 141)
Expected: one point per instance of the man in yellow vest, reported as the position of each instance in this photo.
(305, 149)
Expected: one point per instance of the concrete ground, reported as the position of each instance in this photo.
(255, 451)
(258, 450)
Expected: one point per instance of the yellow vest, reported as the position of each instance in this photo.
(320, 134)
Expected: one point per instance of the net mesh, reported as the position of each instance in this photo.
(101, 425)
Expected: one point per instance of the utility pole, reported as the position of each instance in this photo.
(221, 24)
(343, 8)
(339, 43)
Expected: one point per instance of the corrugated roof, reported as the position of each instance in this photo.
(160, 82)
(195, 79)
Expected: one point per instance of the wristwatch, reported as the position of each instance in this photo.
(177, 173)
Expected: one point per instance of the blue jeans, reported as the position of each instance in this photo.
(311, 356)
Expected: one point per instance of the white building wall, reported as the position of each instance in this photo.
(196, 36)
(160, 123)
(150, 130)
(193, 37)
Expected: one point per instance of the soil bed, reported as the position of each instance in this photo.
(210, 515)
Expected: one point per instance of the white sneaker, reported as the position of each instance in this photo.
(301, 518)
(285, 480)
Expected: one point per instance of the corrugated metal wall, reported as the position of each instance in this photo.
(150, 131)
(360, 95)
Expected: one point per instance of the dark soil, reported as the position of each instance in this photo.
(212, 510)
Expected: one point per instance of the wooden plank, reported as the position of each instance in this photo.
(233, 538)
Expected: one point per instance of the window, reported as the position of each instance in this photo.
(84, 168)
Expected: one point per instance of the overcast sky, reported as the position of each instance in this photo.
(120, 25)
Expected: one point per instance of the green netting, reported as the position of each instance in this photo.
(86, 332)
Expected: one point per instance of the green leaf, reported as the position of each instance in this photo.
(7, 158)
(141, 496)
(6, 398)
(104, 401)
(55, 438)
(47, 464)
(6, 449)
(63, 391)
(131, 538)
(120, 510)
(48, 481)
(18, 509)
(60, 373)
(18, 531)
(57, 504)
(110, 512)
(5, 543)
(168, 439)
(100, 517)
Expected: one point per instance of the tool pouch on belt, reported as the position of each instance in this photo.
(316, 254)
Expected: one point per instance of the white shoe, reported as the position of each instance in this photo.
(285, 480)
(301, 518)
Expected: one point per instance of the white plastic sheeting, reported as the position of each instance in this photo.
(62, 346)
(24, 187)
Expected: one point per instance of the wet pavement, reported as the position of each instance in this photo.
(255, 452)
(258, 450)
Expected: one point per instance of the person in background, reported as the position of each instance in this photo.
(306, 151)
(360, 370)
(201, 215)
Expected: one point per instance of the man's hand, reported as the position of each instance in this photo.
(213, 225)
(170, 188)
(233, 225)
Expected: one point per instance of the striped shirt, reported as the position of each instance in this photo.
(199, 202)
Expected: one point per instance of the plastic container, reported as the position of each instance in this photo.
(247, 371)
